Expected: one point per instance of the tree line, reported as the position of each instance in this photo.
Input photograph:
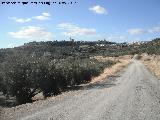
(23, 77)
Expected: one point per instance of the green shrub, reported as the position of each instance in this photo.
(26, 76)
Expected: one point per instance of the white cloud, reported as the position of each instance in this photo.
(20, 20)
(117, 37)
(136, 31)
(32, 33)
(154, 30)
(98, 9)
(46, 14)
(73, 30)
(43, 16)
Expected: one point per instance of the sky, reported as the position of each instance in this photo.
(88, 20)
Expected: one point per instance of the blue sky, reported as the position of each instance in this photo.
(113, 20)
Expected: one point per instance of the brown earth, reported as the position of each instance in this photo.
(122, 62)
(152, 62)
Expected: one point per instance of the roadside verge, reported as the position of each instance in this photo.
(152, 62)
(122, 62)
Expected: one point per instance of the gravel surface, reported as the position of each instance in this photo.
(133, 95)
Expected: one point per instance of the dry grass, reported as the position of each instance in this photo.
(152, 62)
(122, 61)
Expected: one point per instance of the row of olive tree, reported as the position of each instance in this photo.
(24, 77)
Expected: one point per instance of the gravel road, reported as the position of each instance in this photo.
(132, 95)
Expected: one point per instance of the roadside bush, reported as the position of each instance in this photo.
(23, 77)
(17, 79)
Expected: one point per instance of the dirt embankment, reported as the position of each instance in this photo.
(153, 63)
(122, 61)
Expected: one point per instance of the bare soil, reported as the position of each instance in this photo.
(152, 62)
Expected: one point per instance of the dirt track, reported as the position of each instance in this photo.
(133, 95)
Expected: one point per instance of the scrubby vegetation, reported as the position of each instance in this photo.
(81, 49)
(151, 47)
(54, 67)
(23, 76)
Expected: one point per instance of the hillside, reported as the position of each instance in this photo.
(63, 49)
(56, 66)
